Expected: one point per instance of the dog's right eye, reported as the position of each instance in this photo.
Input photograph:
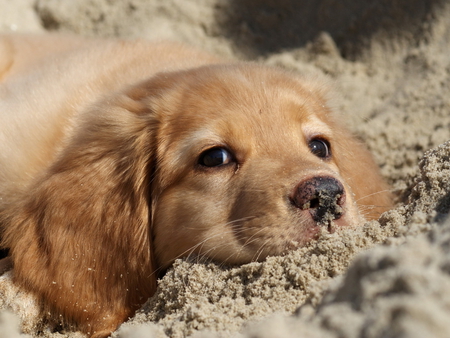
(215, 157)
(320, 148)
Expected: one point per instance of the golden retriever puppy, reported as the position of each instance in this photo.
(117, 157)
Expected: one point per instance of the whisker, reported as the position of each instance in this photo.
(191, 249)
(204, 253)
(227, 223)
(375, 193)
(372, 207)
(261, 248)
(249, 240)
(201, 254)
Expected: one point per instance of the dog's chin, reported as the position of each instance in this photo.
(328, 224)
(308, 230)
(257, 247)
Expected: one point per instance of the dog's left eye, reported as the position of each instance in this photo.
(320, 148)
(215, 157)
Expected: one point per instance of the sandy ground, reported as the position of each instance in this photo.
(391, 64)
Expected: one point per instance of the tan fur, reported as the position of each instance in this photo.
(99, 176)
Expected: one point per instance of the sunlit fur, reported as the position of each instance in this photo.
(100, 183)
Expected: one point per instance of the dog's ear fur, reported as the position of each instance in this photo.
(80, 239)
(371, 193)
(6, 56)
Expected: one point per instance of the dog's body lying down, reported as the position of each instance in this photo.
(118, 157)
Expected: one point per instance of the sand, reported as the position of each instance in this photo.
(391, 65)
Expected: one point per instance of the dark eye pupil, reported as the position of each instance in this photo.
(215, 157)
(320, 148)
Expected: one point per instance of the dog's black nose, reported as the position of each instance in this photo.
(322, 196)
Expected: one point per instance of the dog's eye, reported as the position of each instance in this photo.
(320, 148)
(215, 157)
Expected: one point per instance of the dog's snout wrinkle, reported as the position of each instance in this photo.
(323, 197)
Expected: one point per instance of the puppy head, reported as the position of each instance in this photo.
(234, 162)
(252, 162)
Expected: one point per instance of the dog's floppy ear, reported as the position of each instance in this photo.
(80, 239)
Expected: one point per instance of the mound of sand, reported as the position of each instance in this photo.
(391, 63)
